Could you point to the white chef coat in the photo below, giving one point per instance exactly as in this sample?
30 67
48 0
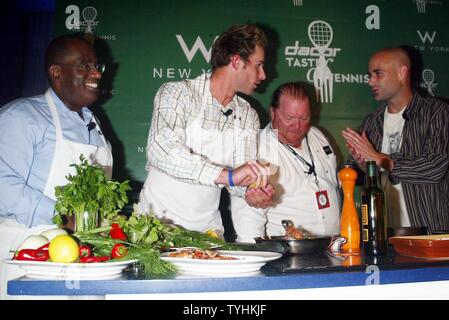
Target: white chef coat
295 191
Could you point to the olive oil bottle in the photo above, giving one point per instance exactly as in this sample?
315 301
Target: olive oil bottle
374 219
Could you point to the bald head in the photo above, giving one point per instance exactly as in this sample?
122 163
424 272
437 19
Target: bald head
72 71
59 48
397 57
390 76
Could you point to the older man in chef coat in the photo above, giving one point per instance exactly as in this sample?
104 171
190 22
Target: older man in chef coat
40 137
304 173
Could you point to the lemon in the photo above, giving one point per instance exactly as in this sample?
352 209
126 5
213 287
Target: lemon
212 233
63 248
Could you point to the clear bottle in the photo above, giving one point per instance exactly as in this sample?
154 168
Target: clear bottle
374 219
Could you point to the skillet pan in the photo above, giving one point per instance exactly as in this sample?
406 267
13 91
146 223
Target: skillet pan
303 246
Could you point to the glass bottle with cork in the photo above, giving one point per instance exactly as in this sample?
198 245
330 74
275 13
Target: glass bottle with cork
374 220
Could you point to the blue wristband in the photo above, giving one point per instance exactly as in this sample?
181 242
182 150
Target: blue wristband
231 182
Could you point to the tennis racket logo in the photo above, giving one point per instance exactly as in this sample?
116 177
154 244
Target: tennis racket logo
89 14
428 77
73 20
321 35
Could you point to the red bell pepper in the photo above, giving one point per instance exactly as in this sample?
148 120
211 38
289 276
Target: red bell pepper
119 251
117 233
85 251
94 259
32 255
44 247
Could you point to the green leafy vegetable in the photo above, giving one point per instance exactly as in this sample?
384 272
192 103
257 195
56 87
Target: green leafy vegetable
89 194
149 257
149 230
179 238
150 262
146 237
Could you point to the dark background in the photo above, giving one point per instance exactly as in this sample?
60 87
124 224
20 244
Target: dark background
26 28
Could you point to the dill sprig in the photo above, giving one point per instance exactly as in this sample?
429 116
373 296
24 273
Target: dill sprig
150 262
179 238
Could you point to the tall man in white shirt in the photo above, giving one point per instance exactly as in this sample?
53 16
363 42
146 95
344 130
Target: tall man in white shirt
304 173
203 137
40 137
408 137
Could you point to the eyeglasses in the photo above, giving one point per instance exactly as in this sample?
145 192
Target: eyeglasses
86 67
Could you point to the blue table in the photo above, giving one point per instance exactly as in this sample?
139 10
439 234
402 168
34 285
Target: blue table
293 273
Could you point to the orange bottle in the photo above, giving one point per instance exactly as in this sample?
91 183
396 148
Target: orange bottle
349 225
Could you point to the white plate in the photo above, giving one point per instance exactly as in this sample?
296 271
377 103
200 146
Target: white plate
248 262
71 270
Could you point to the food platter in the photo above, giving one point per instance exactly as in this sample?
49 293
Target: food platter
247 262
75 271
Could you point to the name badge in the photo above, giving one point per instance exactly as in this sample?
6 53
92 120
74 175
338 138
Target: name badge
322 199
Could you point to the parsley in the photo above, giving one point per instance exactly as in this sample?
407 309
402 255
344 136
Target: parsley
90 195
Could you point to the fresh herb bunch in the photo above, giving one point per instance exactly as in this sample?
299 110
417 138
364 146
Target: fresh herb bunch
149 262
147 236
90 190
178 237
142 228
149 230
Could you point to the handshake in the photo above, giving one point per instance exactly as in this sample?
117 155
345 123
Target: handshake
253 175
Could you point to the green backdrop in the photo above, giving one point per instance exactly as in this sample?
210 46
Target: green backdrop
146 43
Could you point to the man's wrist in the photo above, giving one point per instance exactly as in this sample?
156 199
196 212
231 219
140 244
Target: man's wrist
230 180
222 177
385 162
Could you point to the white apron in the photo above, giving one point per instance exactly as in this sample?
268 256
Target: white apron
192 206
67 152
301 193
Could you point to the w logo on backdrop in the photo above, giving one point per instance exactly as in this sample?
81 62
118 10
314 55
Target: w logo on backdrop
426 36
428 78
198 45
321 34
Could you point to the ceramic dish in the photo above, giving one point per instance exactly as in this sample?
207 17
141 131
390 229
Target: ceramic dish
247 262
71 270
427 247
